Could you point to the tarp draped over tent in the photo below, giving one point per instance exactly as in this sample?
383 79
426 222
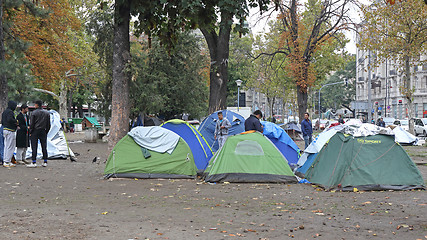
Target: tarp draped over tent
354 128
283 142
199 146
57 146
403 137
250 157
155 139
207 127
127 159
374 162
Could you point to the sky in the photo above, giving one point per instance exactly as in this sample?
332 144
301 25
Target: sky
260 26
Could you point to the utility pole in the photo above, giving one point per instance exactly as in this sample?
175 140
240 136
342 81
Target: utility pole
386 89
369 88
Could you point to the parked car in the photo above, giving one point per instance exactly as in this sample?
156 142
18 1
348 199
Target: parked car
404 123
420 127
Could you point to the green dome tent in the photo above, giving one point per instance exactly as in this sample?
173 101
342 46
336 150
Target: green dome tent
151 152
249 157
373 162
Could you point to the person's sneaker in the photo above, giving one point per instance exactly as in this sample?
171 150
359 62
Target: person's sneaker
6 165
32 165
12 165
44 164
26 161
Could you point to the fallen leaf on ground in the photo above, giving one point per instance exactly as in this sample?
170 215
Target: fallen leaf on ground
368 202
104 213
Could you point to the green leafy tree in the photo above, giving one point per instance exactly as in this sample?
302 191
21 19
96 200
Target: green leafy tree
169 83
165 19
340 95
15 70
240 65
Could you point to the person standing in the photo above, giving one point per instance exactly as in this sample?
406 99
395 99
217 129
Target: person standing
307 130
39 127
253 123
22 135
221 130
340 120
9 133
381 122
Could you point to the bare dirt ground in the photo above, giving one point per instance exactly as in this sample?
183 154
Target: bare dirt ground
71 201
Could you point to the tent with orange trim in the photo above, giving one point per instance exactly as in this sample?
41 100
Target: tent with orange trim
249 157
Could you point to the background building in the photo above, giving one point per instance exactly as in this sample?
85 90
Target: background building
386 79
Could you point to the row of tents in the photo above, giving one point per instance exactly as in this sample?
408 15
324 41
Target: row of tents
342 157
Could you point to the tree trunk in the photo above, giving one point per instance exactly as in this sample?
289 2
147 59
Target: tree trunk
121 57
302 102
63 110
408 93
302 93
80 111
218 45
3 79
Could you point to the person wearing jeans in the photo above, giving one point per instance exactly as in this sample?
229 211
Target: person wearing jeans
221 130
9 124
39 127
307 130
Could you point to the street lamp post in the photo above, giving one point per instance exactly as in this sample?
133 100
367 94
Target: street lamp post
239 83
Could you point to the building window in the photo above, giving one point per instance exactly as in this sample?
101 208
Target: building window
394 109
416 110
400 111
424 110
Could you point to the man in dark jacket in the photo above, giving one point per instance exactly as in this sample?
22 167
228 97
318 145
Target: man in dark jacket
22 135
253 123
307 130
39 127
9 133
381 122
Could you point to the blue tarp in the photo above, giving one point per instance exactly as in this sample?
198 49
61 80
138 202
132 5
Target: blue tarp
308 162
310 153
198 145
207 127
283 142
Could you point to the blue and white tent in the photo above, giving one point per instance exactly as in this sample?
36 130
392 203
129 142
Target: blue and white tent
283 142
202 153
207 127
310 153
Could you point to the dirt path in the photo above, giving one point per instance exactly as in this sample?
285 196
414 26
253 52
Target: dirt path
71 201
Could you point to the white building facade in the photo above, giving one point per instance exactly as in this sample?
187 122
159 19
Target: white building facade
386 80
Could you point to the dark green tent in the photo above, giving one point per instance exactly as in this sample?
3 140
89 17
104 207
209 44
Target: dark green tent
249 157
127 160
367 163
